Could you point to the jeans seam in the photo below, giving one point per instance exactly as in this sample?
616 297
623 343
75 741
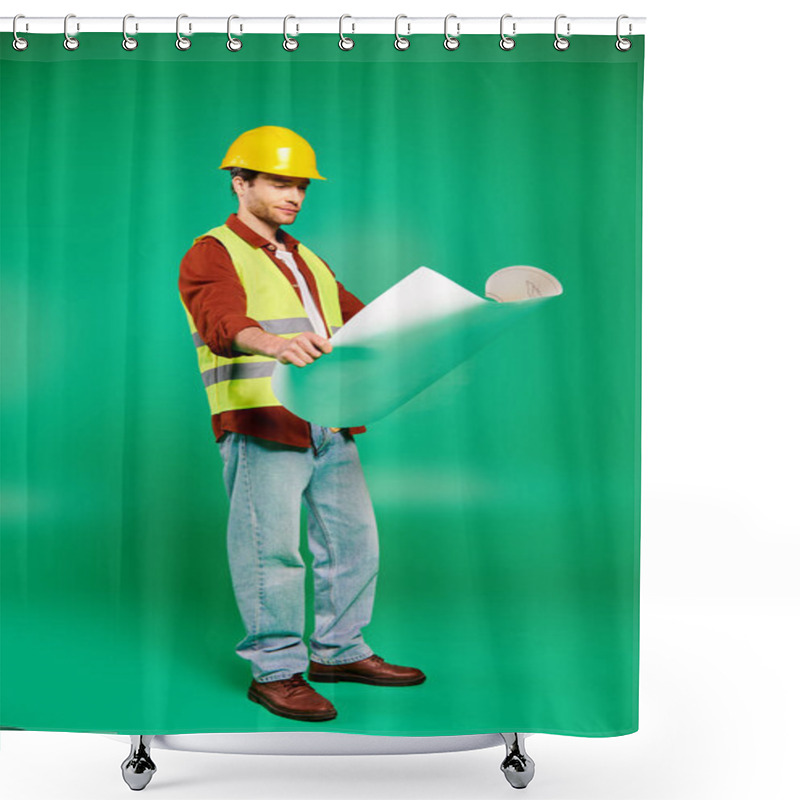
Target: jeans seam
312 506
254 531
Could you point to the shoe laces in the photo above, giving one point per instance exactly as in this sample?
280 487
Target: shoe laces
297 683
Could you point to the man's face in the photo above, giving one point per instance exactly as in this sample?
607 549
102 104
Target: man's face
275 199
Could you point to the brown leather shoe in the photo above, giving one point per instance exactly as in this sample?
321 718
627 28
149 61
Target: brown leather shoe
292 698
373 670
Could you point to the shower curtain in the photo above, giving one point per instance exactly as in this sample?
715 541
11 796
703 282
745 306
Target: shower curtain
506 492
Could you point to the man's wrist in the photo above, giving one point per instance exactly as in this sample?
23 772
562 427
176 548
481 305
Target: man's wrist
255 341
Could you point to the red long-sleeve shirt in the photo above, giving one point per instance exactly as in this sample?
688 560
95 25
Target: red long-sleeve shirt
214 296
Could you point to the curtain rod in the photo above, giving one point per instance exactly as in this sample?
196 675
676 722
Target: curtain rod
512 26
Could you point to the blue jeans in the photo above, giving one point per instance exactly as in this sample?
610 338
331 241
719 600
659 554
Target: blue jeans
266 483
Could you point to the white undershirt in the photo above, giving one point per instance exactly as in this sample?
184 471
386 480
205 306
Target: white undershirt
308 301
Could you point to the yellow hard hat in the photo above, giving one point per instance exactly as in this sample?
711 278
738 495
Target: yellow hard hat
275 150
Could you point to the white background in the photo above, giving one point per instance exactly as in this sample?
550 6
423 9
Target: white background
719 696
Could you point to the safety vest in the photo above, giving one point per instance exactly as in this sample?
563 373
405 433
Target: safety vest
246 381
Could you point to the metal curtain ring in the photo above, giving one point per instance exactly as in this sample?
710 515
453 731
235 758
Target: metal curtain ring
560 42
451 42
182 43
623 44
18 43
288 42
233 44
128 43
400 42
506 42
346 43
70 43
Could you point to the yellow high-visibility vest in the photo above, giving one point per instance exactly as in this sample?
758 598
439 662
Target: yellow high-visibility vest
246 381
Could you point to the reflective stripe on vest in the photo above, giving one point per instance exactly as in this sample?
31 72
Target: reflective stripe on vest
246 381
277 326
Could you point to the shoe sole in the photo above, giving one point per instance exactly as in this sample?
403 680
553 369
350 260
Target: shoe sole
359 679
320 716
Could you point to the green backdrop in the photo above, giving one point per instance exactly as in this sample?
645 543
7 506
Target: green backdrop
507 494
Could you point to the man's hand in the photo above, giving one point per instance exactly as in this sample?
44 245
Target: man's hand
301 349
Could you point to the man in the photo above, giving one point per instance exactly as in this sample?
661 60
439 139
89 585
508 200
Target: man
255 296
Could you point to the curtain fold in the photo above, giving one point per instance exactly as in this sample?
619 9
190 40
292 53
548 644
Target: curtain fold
506 494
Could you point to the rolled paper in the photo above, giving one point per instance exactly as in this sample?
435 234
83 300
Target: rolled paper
405 340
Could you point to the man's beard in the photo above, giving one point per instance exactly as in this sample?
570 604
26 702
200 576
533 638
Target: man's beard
264 215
